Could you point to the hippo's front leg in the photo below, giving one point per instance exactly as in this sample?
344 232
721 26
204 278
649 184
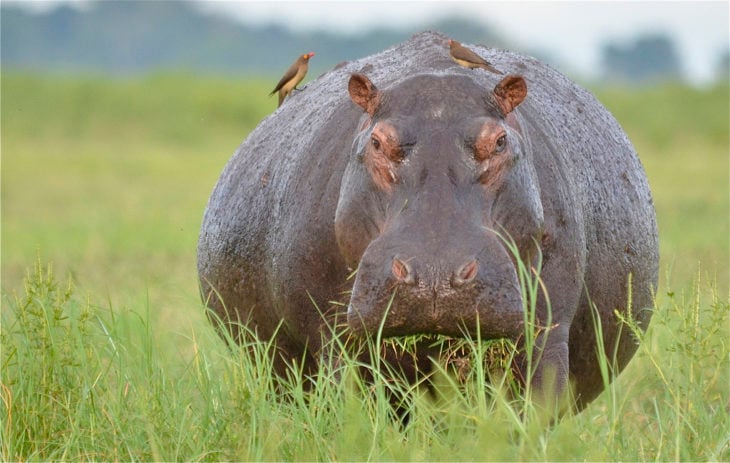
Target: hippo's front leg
550 378
554 315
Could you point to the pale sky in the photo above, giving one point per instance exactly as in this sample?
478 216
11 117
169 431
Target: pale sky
571 31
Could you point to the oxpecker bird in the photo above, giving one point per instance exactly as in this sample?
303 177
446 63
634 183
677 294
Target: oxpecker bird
292 77
467 58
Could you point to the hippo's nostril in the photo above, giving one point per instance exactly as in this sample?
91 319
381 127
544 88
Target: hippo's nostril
466 273
402 271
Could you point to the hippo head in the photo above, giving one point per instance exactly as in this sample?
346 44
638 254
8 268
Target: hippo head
439 179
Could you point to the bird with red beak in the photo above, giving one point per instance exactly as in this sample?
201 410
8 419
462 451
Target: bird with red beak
292 77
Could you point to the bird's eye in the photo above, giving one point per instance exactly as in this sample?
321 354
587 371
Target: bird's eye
501 143
375 142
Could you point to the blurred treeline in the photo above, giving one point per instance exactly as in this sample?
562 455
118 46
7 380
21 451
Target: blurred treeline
131 37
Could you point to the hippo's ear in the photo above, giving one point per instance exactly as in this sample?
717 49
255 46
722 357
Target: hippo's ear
510 92
364 93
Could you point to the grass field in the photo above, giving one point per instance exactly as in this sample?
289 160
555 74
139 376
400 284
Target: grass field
107 181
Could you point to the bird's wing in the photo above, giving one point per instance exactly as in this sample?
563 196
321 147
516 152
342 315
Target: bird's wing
290 73
466 54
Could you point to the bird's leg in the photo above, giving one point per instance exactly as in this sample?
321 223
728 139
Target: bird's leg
295 89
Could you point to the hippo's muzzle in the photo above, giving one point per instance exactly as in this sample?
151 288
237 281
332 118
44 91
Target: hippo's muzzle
449 292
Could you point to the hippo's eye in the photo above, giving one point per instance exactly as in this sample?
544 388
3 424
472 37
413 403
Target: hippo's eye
501 144
375 142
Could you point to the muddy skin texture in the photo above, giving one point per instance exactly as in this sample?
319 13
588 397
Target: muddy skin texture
405 167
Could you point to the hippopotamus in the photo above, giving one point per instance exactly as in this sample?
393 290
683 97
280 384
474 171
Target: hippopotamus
397 194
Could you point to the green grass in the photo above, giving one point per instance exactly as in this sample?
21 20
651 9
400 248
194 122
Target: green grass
85 382
110 357
109 179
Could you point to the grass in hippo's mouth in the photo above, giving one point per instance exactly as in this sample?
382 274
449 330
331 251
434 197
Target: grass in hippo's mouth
458 357
458 362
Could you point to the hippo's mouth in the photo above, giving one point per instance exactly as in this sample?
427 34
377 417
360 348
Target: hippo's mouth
398 315
421 356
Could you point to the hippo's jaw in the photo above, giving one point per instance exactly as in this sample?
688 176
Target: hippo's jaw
397 297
